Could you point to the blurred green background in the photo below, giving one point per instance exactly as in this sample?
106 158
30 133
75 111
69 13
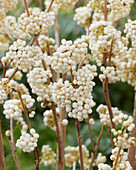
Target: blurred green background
121 95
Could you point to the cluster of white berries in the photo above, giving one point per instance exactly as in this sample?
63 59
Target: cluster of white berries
122 161
82 99
28 100
62 93
101 35
118 9
79 49
44 41
125 120
48 157
23 57
130 30
27 142
128 65
100 159
8 5
91 121
68 54
12 28
82 16
37 22
37 79
12 110
104 114
123 139
61 61
111 73
5 89
49 118
23 89
103 166
13 107
73 155
66 3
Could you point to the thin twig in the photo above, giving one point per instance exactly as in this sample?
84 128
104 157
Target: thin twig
72 77
33 40
96 148
110 54
105 82
105 11
90 133
116 160
42 5
107 98
12 145
79 144
53 74
24 108
110 134
14 72
59 156
26 6
2 157
50 5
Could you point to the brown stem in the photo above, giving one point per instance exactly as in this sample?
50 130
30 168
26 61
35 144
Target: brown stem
110 134
105 11
53 74
9 38
81 64
50 5
12 75
79 143
29 124
4 70
116 161
90 133
33 40
105 82
62 129
12 145
96 148
24 108
72 77
132 149
2 157
107 98
110 54
26 6
64 77
59 156
42 5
